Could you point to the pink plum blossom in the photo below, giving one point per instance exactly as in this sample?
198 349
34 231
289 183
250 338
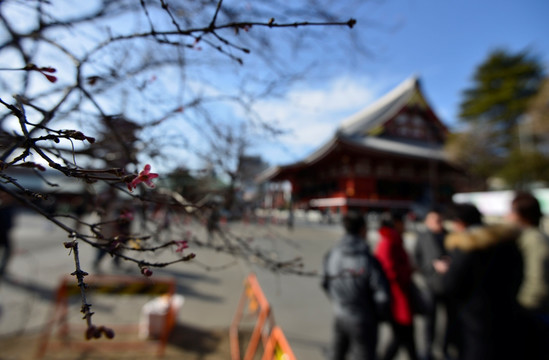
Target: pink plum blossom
181 245
145 176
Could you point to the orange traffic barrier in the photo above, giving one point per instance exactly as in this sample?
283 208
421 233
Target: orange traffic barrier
257 306
277 347
107 285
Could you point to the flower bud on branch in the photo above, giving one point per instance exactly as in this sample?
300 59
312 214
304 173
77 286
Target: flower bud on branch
146 271
78 135
46 70
32 165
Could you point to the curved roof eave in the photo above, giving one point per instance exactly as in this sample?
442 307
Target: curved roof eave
317 155
399 148
381 110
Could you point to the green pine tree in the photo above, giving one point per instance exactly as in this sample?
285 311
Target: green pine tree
502 89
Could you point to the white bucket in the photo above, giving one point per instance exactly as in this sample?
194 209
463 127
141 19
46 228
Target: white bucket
154 315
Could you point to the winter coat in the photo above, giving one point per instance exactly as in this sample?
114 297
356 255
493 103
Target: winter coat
430 246
534 291
395 262
483 278
355 282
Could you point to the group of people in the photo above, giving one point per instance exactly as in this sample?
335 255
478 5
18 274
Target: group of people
491 280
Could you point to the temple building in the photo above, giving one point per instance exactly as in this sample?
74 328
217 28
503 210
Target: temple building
388 155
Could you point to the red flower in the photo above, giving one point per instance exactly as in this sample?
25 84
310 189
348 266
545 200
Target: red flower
145 176
181 245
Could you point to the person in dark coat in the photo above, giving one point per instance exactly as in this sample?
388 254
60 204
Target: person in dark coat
533 294
358 290
6 224
430 247
397 267
483 276
212 223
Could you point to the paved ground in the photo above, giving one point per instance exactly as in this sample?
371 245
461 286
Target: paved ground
210 297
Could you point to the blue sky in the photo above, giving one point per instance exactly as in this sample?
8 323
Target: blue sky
442 41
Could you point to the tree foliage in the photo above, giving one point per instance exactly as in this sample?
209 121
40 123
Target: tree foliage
503 86
538 113
493 110
468 148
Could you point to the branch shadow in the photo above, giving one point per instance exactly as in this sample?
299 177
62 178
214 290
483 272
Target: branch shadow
199 341
184 284
34 288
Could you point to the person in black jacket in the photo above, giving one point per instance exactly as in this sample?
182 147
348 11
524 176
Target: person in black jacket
430 247
359 291
483 276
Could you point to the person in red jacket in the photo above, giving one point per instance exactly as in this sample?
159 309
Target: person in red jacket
395 262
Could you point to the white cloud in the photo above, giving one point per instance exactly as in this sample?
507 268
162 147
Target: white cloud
341 95
312 115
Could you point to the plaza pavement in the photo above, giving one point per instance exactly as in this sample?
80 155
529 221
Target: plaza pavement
210 296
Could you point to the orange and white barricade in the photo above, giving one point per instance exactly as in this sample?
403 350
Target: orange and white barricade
254 304
277 347
265 336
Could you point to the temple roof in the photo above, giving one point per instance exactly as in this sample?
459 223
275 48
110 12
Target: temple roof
361 130
382 110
